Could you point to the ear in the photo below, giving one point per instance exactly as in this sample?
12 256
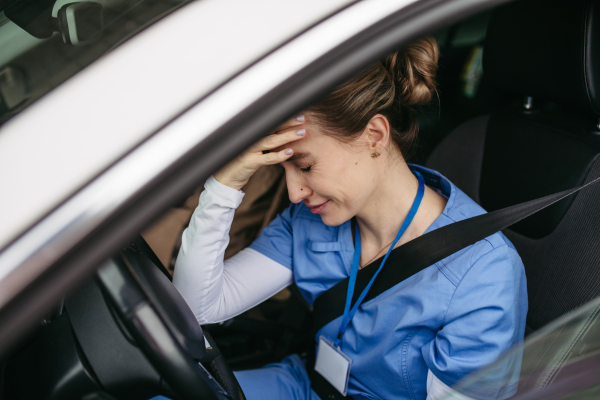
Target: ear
378 133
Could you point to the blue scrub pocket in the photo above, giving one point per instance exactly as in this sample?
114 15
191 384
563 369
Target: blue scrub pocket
321 247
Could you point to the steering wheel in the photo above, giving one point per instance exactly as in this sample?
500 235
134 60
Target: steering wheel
164 327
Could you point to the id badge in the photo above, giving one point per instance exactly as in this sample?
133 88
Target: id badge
333 365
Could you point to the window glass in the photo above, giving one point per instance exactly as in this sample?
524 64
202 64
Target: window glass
561 361
459 77
44 42
472 31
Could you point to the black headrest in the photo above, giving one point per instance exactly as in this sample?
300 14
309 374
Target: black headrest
547 49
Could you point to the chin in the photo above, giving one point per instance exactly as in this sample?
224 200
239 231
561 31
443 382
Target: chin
334 219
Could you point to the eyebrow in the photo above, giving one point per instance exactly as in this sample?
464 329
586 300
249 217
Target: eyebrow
297 156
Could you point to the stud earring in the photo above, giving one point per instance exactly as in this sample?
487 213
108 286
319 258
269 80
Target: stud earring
375 155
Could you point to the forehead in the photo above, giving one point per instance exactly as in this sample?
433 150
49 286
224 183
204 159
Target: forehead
313 144
298 156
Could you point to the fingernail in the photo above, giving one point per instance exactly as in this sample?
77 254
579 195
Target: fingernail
300 118
289 152
301 132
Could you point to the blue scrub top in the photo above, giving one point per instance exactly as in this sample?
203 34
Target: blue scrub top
453 318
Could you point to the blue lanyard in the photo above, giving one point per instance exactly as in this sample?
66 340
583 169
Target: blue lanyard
349 313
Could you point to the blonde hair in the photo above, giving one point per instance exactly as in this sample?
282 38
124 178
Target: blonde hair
390 87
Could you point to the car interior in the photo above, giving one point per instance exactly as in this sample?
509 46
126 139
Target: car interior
516 119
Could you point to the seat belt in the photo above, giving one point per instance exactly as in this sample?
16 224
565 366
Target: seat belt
413 257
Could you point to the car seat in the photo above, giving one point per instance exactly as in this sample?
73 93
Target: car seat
548 51
545 50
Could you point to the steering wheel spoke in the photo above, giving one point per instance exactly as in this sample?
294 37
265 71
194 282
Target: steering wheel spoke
186 377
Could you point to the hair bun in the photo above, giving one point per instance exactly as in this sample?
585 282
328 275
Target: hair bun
388 87
413 70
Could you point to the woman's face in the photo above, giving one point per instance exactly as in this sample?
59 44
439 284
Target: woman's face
334 179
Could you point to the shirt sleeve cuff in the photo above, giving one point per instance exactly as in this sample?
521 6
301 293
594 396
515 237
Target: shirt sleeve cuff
270 252
231 197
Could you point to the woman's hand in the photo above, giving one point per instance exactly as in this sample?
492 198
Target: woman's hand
237 172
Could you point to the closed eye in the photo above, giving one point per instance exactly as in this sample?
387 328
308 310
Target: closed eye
306 169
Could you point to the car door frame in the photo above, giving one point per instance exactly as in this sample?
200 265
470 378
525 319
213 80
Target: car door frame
66 246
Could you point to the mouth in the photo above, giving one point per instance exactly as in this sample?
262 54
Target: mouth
317 209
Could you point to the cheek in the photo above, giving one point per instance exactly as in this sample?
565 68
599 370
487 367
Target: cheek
346 181
354 174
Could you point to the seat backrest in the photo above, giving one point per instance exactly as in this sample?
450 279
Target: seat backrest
545 50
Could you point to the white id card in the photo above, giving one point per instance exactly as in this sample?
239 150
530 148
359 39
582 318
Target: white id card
333 365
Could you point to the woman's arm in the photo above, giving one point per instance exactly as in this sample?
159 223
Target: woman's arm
214 289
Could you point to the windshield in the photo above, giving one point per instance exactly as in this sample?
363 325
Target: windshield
561 361
45 42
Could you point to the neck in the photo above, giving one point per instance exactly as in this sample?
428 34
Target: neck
387 207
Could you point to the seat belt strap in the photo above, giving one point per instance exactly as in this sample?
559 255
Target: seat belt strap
426 250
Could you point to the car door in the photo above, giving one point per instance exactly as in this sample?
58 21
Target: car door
148 125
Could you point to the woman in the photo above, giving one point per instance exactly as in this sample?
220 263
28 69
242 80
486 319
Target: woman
344 160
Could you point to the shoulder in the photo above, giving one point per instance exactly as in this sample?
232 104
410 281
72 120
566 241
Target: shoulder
495 251
492 256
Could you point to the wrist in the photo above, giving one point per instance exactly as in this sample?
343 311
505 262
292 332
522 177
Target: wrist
228 196
223 180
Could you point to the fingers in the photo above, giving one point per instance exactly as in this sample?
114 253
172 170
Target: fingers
290 123
237 173
279 139
283 137
274 157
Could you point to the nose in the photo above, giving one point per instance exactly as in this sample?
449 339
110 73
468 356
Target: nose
298 190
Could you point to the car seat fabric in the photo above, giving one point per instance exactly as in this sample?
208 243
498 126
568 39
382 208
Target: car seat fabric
528 156
266 196
563 269
519 154
467 140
